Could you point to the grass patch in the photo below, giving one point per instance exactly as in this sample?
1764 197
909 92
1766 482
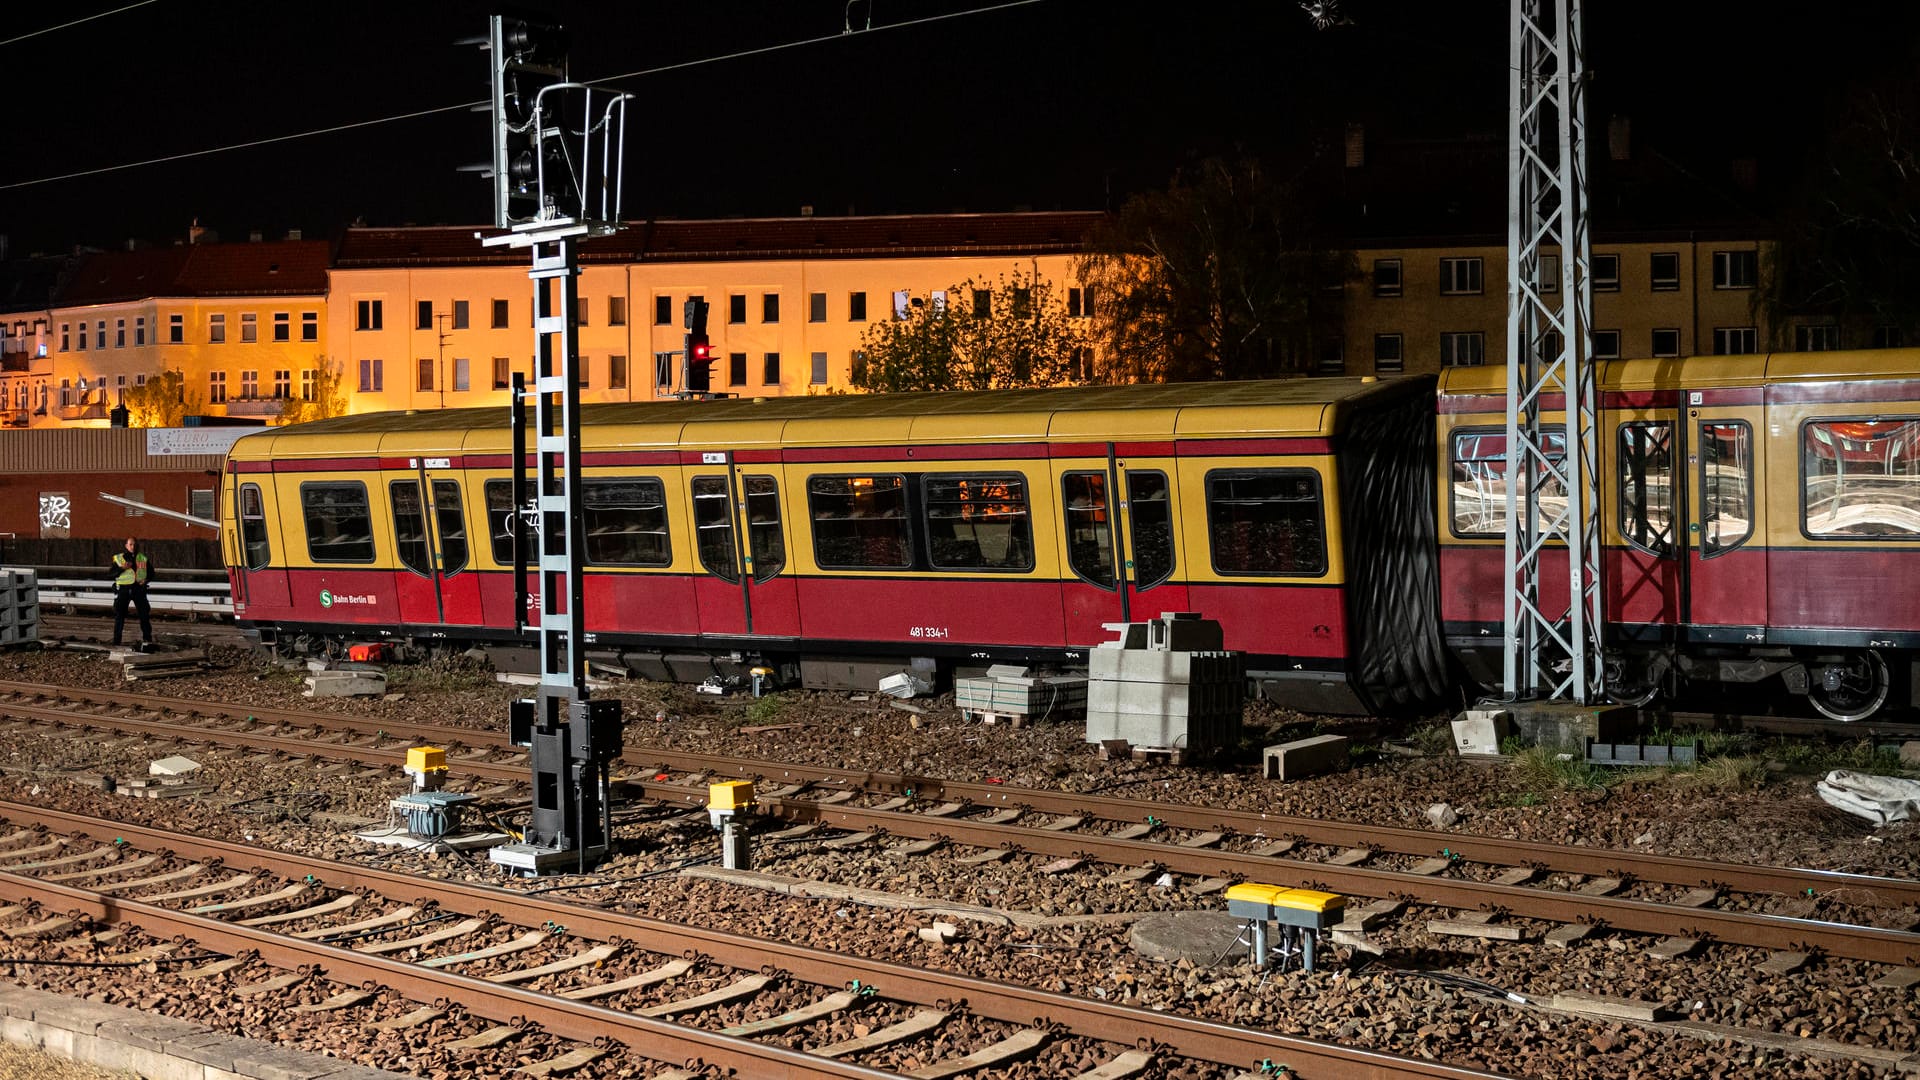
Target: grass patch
1540 769
1813 756
443 672
764 710
1432 740
1727 774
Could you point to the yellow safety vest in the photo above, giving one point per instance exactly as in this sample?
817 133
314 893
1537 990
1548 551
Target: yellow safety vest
131 573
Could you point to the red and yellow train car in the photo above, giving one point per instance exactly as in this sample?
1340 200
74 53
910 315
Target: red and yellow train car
1761 520
965 527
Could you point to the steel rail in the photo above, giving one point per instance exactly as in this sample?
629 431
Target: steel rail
658 1040
1221 1044
1609 862
1711 924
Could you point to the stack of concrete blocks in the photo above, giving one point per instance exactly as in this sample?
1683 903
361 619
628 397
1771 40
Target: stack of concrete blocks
348 679
1166 685
20 607
1008 691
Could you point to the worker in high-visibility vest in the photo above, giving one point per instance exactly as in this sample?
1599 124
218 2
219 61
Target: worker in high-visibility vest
130 587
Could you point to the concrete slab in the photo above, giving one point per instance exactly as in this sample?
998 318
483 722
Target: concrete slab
1203 938
1568 725
1305 757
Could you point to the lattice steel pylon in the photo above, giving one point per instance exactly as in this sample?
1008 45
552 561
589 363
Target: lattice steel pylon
1551 646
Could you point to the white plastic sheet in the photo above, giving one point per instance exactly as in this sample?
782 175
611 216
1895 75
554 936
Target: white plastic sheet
1879 799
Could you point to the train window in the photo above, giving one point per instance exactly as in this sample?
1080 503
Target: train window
1150 512
253 528
1646 486
713 527
765 538
1479 480
1266 521
626 521
1726 486
450 523
859 522
978 522
339 522
1083 498
410 527
500 519
1861 478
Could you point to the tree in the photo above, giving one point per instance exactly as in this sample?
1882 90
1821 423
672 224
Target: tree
329 396
1849 244
161 401
1221 276
976 336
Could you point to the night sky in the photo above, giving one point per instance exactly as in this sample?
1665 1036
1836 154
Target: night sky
1067 104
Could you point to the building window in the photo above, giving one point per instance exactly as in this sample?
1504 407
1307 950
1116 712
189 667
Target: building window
176 331
1824 338
1606 344
1266 522
140 331
1333 358
819 369
1463 349
857 307
424 378
459 314
1734 340
1389 355
817 307
100 332
580 306
1460 277
282 326
372 379
217 329
1606 273
859 522
584 373
770 370
737 369
283 383
1664 271
502 373
120 333
367 314
423 315
1887 337
460 367
309 380
216 387
769 307
902 302
309 326
737 308
500 314
1666 342
977 522
249 327
66 336
616 311
983 303
616 372
1386 277
663 311
1735 269
339 525
1549 274
1860 476
249 385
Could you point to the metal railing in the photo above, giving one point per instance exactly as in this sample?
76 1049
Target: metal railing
194 599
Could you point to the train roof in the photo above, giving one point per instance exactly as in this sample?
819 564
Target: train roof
1710 372
1274 407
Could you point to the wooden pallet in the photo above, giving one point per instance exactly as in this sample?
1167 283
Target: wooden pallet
1111 749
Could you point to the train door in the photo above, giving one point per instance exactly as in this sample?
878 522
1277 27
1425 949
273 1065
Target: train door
741 539
1727 558
258 584
1150 554
1645 557
1092 593
430 538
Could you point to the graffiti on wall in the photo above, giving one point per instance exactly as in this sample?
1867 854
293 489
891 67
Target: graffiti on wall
56 514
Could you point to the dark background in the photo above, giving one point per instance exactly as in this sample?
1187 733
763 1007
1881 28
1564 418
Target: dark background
1067 104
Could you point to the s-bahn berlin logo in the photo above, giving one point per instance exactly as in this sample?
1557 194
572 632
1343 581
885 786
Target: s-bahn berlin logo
328 598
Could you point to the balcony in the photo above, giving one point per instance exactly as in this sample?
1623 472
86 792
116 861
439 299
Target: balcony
25 363
14 418
95 410
255 406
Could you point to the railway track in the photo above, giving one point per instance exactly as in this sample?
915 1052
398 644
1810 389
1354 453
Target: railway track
1580 890
606 977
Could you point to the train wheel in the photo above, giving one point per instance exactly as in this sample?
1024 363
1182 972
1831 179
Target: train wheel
1860 687
1633 680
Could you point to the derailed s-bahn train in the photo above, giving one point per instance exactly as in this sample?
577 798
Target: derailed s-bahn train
1760 521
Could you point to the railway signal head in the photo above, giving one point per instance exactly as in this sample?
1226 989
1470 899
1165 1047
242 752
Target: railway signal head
700 357
527 56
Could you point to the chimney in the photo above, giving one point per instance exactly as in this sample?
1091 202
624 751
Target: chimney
254 236
195 232
1356 145
293 234
1746 172
1620 138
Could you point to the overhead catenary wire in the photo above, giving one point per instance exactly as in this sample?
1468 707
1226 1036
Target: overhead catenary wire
466 106
76 22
